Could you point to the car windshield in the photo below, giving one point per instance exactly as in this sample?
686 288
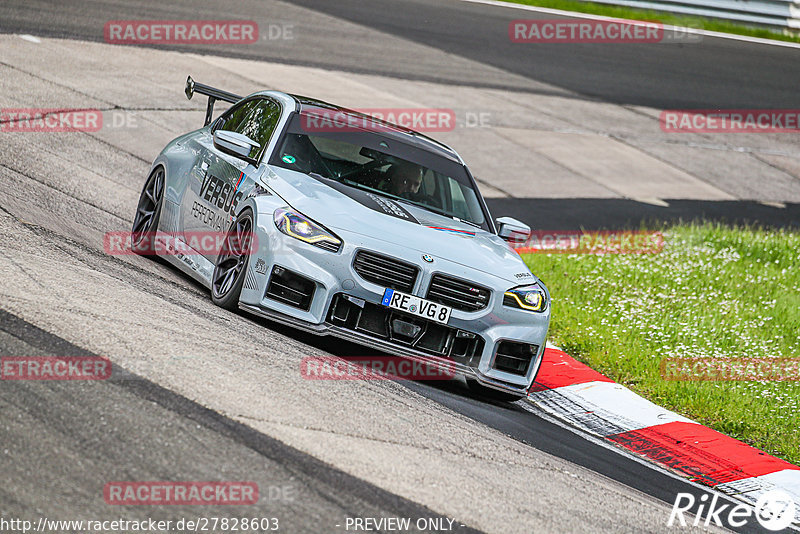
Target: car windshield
368 160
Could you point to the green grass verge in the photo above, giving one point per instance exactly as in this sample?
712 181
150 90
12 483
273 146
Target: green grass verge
714 291
620 12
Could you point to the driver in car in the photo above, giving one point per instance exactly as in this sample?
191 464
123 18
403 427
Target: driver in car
404 180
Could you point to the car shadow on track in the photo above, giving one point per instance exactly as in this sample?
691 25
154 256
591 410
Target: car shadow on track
455 387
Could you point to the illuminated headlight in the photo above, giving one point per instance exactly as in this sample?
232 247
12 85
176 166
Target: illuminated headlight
531 298
298 226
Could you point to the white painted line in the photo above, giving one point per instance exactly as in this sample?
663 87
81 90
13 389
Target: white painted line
603 408
31 38
621 451
747 490
583 409
693 31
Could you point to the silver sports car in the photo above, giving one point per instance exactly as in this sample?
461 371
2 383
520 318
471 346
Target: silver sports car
360 229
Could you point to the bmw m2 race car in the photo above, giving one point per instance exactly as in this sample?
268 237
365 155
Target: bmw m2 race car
373 233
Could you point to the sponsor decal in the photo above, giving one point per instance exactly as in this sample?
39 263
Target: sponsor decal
258 191
389 206
208 216
180 32
370 200
220 194
374 368
180 493
54 368
261 266
730 121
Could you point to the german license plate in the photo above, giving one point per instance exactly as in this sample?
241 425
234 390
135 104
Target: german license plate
418 306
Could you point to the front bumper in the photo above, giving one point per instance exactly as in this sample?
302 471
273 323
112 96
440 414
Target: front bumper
333 276
406 352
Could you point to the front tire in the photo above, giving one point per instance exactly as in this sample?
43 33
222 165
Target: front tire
231 266
148 214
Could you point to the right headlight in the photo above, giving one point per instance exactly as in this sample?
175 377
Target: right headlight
301 227
530 298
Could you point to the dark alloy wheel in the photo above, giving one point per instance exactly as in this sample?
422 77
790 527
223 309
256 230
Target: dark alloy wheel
229 272
148 213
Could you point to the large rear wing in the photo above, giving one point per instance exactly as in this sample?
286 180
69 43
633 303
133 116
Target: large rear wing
212 93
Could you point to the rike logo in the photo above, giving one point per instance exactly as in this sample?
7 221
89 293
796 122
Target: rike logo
774 510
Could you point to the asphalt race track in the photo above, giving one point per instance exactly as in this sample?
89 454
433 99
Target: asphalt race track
458 43
713 73
199 393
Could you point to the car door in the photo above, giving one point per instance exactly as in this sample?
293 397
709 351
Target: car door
221 180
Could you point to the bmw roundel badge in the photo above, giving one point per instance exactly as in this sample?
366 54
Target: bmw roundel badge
428 258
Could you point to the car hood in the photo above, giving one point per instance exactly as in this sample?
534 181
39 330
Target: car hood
337 206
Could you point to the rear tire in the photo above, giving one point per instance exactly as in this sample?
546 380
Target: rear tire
148 214
232 263
491 393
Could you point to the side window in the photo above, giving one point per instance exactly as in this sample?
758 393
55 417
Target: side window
459 202
232 119
260 124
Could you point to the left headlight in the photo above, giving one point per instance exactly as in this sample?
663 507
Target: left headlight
530 298
301 227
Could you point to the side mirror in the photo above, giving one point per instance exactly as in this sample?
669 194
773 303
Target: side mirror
512 230
236 144
189 89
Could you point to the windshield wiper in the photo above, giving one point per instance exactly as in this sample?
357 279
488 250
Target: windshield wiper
476 225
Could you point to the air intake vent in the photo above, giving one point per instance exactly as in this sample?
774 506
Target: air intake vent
327 245
290 288
457 293
385 271
514 358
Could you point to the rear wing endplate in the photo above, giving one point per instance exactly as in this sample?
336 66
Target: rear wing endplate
212 93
